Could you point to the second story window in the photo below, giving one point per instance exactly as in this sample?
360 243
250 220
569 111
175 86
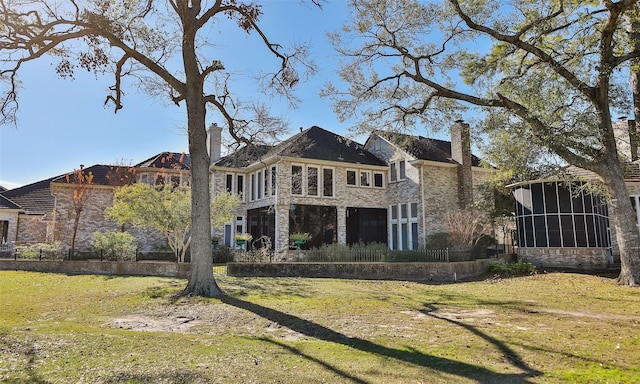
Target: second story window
240 185
296 180
229 182
393 172
378 180
365 178
327 182
312 181
397 170
351 177
274 176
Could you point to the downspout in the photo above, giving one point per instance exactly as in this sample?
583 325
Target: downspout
276 204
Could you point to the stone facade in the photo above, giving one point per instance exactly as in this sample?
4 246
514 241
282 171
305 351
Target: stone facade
344 196
34 229
92 219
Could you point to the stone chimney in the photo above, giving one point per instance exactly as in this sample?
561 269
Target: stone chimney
626 136
215 142
461 153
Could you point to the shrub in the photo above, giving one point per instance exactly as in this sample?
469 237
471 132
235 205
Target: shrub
116 245
439 240
519 268
33 251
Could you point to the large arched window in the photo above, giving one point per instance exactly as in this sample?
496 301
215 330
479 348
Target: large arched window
560 214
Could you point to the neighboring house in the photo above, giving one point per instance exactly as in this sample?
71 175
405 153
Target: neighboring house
45 211
26 213
395 189
562 223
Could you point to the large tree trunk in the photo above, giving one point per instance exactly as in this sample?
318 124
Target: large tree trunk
201 280
623 222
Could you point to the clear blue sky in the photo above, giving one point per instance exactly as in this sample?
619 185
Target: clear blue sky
63 123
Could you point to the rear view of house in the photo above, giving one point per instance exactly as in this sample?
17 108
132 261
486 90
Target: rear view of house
394 189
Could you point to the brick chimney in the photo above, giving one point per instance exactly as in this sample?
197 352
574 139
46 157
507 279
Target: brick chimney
461 153
626 135
215 142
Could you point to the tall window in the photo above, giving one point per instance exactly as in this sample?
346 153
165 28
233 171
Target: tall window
327 182
403 170
404 226
252 187
239 185
296 180
259 186
312 181
266 183
393 172
229 182
274 176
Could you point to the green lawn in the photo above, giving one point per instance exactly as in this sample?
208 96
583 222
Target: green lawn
547 328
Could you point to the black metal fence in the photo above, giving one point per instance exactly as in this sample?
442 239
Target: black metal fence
356 255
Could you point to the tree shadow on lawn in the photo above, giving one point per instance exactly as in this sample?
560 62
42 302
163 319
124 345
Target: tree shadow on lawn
411 355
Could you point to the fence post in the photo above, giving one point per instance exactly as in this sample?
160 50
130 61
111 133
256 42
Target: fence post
446 254
40 255
69 253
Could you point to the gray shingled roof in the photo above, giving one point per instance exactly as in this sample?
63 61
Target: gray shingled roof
314 143
424 148
34 198
8 204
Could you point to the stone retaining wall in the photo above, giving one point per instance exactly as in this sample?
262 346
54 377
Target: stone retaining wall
432 271
581 258
140 268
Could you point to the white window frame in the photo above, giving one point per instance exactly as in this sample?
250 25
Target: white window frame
302 179
333 182
318 180
367 175
408 220
355 177
381 179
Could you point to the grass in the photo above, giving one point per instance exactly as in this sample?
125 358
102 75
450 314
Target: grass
545 328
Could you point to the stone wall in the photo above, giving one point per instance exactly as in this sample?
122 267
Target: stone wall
92 219
34 229
580 258
94 267
380 271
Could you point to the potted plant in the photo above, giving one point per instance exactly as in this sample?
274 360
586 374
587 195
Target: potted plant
299 238
215 240
242 238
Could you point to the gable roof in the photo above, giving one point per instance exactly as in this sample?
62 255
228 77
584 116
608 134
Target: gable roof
34 198
424 148
314 143
8 204
167 160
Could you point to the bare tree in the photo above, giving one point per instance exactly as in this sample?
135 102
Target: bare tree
166 48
